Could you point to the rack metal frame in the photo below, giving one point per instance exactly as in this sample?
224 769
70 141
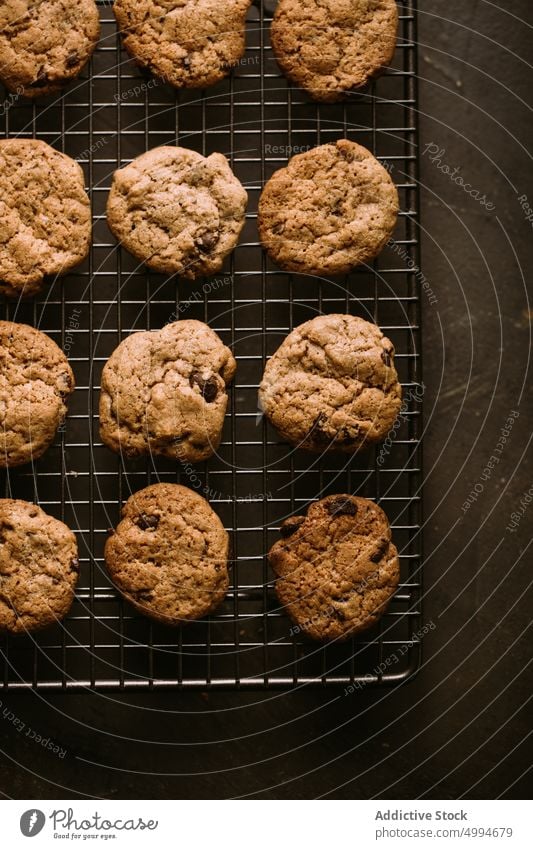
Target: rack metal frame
105 119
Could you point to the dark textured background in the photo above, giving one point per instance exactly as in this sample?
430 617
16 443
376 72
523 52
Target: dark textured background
461 727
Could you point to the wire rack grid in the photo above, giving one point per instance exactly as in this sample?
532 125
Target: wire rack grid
104 120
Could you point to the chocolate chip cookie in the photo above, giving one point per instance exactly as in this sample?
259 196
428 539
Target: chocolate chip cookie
332 385
336 568
35 382
38 567
190 44
333 47
331 209
45 215
177 211
169 554
45 43
164 392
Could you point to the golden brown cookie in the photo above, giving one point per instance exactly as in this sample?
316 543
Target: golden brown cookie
35 382
189 44
45 215
331 209
44 44
332 385
38 567
165 392
169 554
333 47
177 211
336 568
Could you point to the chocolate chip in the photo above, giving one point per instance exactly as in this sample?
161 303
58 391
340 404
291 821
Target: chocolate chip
342 507
207 242
317 432
348 436
73 59
380 551
290 526
208 386
146 522
40 81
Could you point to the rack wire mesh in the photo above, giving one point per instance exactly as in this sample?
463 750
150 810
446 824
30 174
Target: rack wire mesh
108 117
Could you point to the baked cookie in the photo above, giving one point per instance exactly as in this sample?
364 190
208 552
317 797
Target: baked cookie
177 211
164 392
45 44
331 209
331 48
169 554
35 382
38 567
45 215
190 44
332 385
336 568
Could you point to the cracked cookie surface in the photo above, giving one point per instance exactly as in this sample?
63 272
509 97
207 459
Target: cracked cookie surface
45 43
169 554
35 382
177 211
38 567
337 568
165 392
332 385
45 215
187 43
331 209
332 47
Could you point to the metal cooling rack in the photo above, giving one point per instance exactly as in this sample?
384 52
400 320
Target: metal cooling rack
111 115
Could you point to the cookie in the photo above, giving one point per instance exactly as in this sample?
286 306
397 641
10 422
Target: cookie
35 382
190 44
331 209
38 567
177 211
336 568
169 554
45 44
165 392
45 215
332 385
331 48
